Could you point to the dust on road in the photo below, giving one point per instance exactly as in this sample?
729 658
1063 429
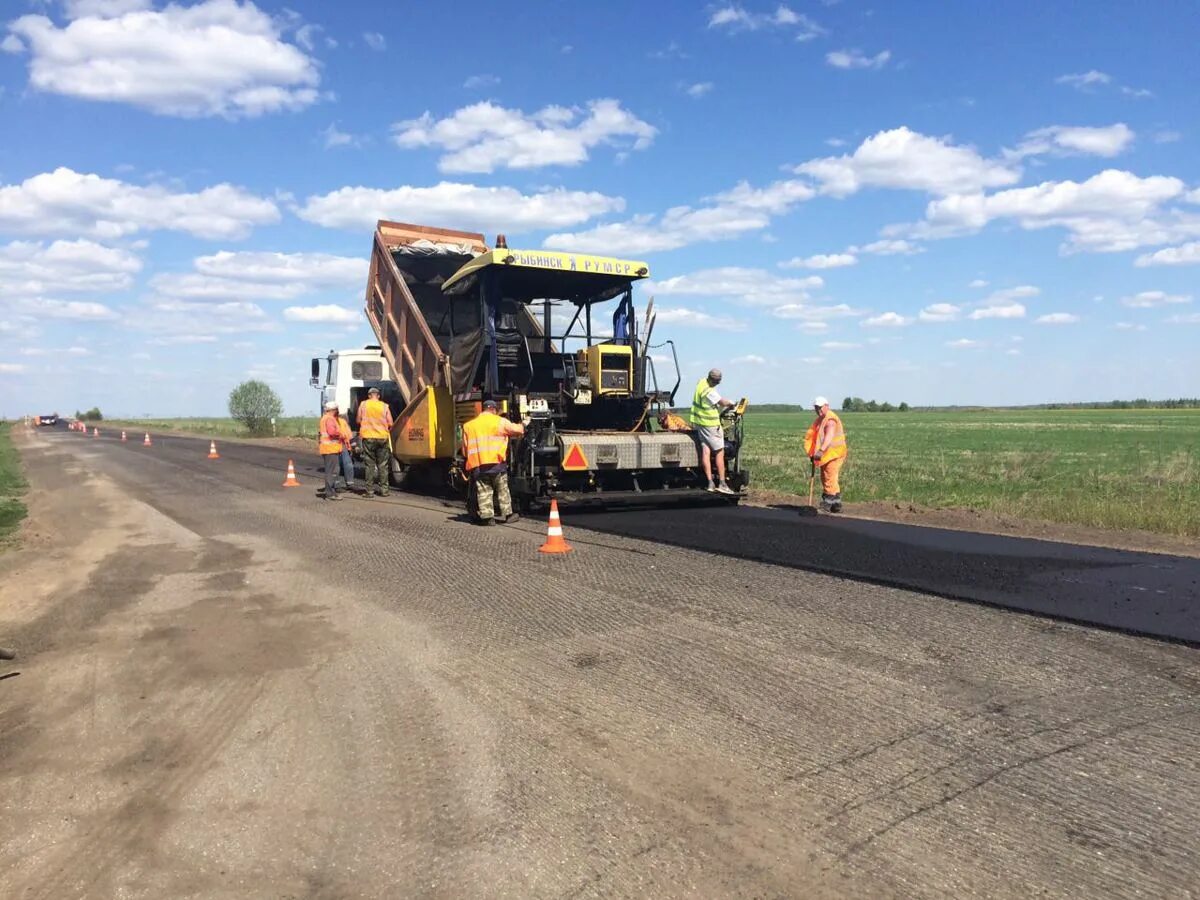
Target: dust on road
227 689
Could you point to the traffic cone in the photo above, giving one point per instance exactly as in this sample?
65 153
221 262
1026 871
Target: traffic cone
554 534
291 481
146 442
123 439
212 450
95 432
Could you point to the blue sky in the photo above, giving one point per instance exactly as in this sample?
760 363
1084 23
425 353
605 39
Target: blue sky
918 201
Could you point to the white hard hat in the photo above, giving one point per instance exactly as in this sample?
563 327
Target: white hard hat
332 404
820 401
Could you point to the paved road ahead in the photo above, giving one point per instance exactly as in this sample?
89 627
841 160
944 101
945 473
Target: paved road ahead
229 689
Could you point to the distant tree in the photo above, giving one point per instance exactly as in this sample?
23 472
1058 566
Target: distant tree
886 407
254 404
903 407
92 415
848 405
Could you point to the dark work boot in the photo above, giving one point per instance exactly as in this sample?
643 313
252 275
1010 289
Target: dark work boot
827 501
836 505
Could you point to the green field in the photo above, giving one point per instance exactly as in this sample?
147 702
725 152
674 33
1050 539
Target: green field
287 426
1118 469
12 485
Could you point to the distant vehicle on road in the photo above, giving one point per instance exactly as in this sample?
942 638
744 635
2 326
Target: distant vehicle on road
51 419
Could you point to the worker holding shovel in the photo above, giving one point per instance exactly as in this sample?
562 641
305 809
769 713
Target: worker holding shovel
825 444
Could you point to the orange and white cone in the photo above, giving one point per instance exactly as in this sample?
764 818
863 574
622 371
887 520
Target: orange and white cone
123 438
291 481
212 450
95 432
146 442
555 543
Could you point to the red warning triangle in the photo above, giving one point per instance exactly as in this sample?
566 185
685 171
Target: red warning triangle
575 461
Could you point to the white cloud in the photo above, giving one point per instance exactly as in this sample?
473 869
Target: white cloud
1129 326
375 40
905 159
11 368
698 90
197 287
12 44
215 58
1084 80
887 320
67 202
940 312
813 327
46 308
314 270
814 314
1166 137
1153 299
1110 212
735 18
964 344
1136 93
484 137
690 317
464 205
1058 318
856 59
840 345
753 287
749 359
1184 255
185 339
1188 319
820 261
727 215
1064 140
889 248
105 9
978 283
481 82
330 313
334 137
999 311
30 268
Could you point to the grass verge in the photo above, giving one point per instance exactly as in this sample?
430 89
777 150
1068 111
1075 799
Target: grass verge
12 486
287 426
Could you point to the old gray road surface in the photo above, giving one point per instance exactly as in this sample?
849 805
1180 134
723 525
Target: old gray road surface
230 689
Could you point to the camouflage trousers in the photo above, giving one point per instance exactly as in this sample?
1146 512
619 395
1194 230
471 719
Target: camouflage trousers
492 490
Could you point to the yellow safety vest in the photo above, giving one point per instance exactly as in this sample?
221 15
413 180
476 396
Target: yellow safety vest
329 435
837 447
374 420
704 414
484 441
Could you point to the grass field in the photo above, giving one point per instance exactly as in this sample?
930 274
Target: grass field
12 486
288 426
1117 469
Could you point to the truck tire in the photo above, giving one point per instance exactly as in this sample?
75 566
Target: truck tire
397 474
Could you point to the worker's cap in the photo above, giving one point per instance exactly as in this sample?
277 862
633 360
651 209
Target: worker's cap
714 375
819 402
374 391
490 404
330 405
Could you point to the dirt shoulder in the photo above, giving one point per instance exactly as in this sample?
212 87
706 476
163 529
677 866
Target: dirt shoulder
987 522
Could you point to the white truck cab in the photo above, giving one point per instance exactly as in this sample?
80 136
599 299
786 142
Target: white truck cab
347 375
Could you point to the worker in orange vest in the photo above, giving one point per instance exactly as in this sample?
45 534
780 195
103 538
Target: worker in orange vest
374 437
329 442
485 449
825 444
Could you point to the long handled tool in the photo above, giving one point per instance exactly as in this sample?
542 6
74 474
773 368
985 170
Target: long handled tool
810 510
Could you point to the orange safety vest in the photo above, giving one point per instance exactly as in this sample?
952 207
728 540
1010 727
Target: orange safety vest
485 442
374 420
837 447
329 434
344 428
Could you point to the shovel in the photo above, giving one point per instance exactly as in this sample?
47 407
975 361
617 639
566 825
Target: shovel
810 510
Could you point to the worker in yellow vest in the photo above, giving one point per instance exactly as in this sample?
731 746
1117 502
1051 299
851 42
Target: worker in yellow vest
485 449
707 404
825 444
329 444
375 439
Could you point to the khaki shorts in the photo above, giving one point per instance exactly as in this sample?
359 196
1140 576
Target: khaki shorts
711 436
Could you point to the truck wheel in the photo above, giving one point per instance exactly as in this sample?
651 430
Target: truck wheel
398 474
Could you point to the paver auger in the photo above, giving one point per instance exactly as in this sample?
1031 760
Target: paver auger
555 339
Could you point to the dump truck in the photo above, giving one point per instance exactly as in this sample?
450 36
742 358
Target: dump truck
555 339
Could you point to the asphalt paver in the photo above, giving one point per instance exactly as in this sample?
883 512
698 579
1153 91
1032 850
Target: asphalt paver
233 689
